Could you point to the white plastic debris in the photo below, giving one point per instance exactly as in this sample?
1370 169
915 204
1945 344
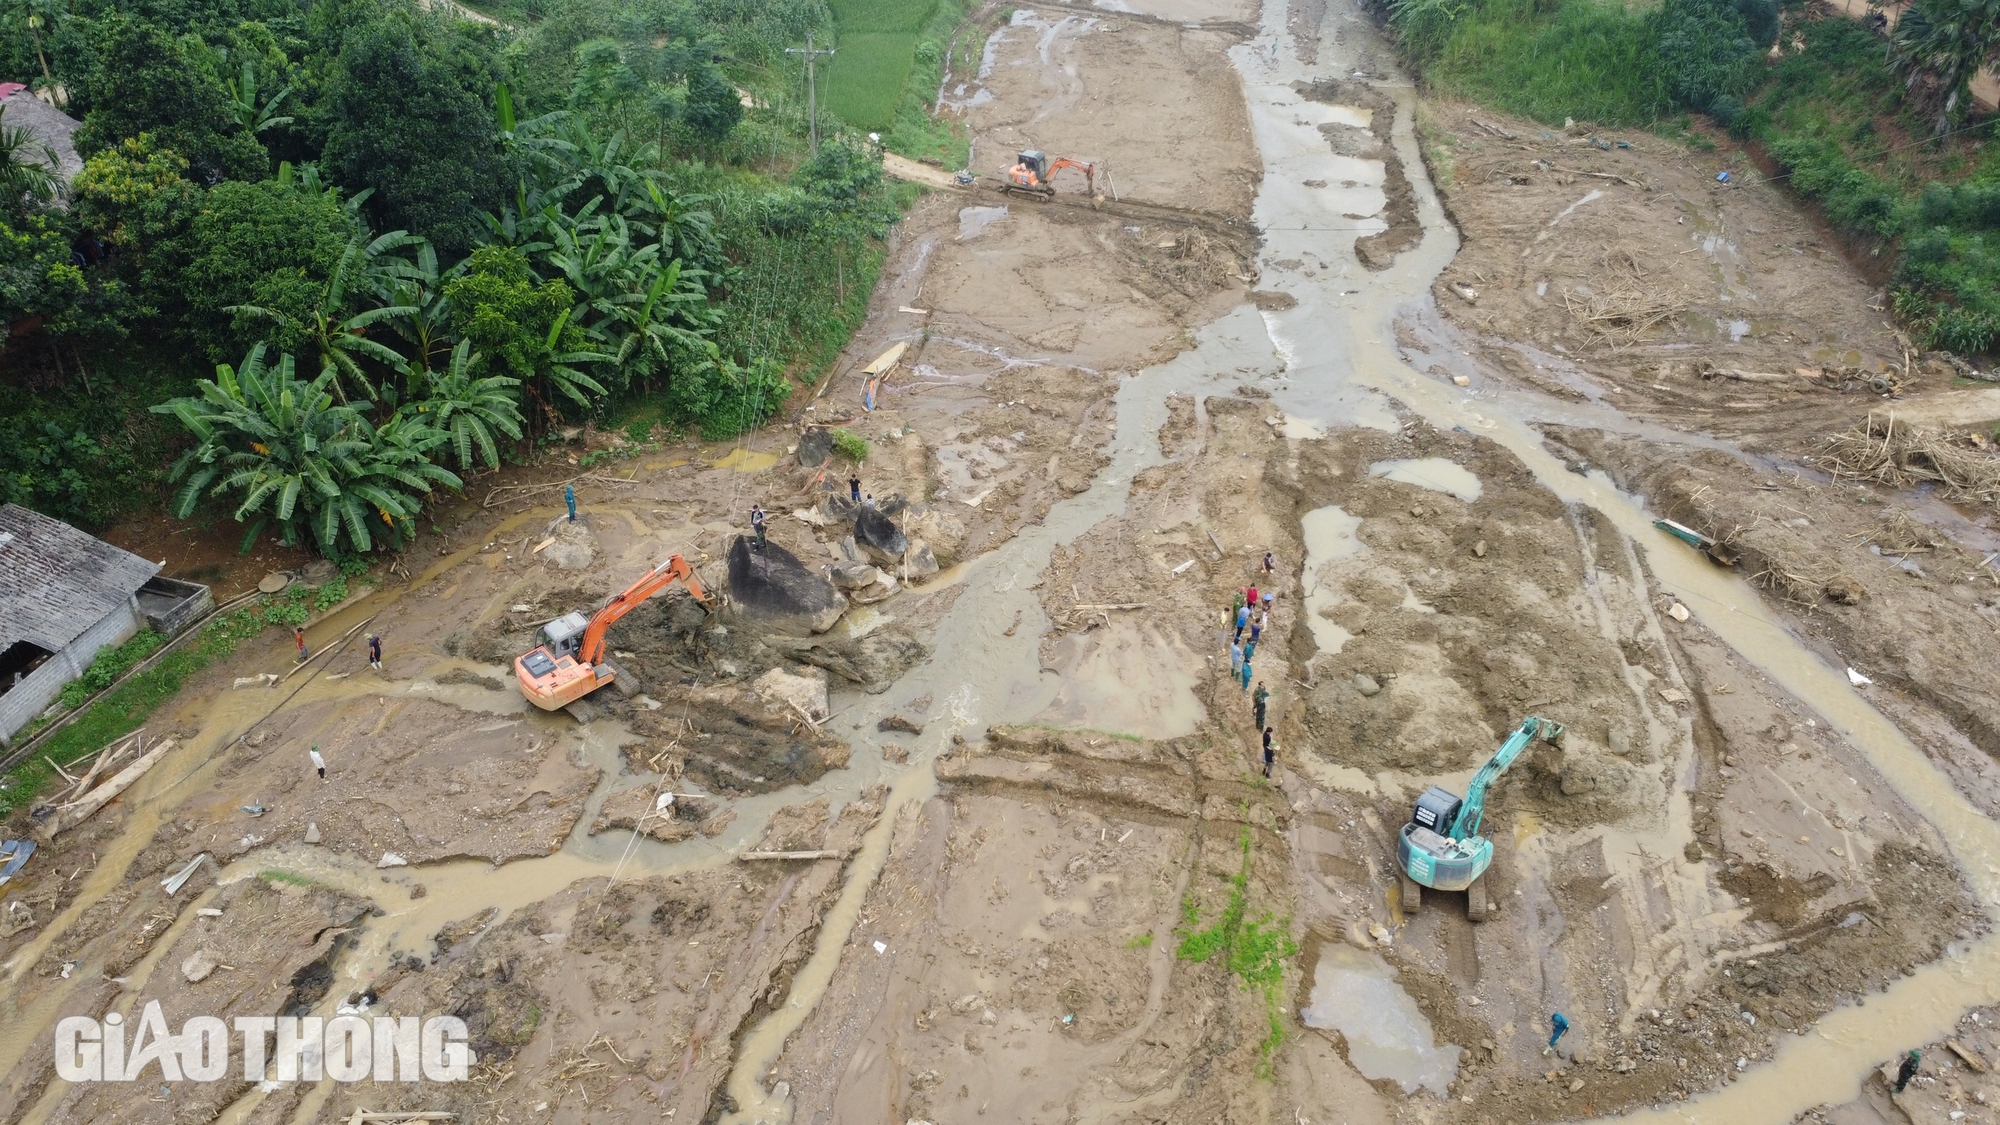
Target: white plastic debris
391 859
881 947
1857 679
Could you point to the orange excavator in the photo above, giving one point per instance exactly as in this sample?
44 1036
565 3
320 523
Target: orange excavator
569 664
1033 172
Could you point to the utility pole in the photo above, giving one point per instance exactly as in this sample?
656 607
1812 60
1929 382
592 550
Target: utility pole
812 85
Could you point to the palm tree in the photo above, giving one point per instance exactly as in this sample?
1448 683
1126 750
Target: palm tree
468 408
297 458
340 337
27 167
1940 46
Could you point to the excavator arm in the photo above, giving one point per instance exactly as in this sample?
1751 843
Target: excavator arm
1089 171
652 582
1474 809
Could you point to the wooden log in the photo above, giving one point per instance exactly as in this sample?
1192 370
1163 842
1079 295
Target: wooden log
111 753
887 359
791 855
97 798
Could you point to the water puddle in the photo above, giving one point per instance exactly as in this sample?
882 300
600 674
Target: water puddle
745 460
1329 535
974 220
1433 473
1356 994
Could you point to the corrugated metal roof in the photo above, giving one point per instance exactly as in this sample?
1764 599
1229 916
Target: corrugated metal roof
56 581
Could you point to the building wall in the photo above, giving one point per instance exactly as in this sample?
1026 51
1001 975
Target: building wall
40 688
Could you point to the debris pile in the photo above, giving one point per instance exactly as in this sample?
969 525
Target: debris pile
1891 452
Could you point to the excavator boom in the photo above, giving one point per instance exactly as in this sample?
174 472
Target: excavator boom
571 665
1441 847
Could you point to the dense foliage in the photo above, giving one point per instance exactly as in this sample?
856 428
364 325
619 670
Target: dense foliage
1879 134
430 239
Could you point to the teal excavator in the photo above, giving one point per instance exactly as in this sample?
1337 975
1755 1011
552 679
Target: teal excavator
1441 847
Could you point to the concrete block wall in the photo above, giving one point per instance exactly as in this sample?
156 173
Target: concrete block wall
40 688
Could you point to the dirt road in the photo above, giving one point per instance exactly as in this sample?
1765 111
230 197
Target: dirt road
1043 874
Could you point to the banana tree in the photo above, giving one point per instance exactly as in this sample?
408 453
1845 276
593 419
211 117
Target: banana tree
341 336
243 103
468 408
1940 47
292 456
418 285
556 360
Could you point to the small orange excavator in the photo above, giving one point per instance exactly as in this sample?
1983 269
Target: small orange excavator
1033 172
570 664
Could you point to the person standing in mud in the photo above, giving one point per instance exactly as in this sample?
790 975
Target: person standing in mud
569 498
1270 563
757 523
1246 672
319 763
1261 700
1235 659
1560 1024
1908 1070
1256 633
299 638
854 488
375 652
1242 621
1270 753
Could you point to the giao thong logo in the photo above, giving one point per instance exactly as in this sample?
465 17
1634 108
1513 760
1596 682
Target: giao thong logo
272 1048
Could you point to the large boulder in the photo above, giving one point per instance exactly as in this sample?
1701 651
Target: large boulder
878 536
815 446
923 561
853 575
770 585
572 544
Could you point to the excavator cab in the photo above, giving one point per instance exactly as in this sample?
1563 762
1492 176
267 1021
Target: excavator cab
1036 162
564 635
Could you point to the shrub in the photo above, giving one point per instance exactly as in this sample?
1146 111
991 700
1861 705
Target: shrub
848 444
110 663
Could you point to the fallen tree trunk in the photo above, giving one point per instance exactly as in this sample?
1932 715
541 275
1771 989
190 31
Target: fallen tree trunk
75 814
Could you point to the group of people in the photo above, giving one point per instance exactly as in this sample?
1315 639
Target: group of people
1252 613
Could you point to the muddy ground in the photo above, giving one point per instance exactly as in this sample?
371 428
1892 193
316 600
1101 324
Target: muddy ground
1065 890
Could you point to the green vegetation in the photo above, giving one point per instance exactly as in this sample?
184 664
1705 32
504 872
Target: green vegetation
110 663
1877 135
1256 951
1142 941
425 242
274 875
848 444
885 75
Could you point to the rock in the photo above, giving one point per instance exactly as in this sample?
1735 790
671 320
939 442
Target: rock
391 859
815 446
878 536
965 1005
312 833
1365 684
804 692
939 530
638 808
574 546
883 588
198 966
895 753
874 661
273 583
773 586
1479 549
837 507
1845 589
853 576
922 560
894 504
319 572
418 890
899 723
1379 932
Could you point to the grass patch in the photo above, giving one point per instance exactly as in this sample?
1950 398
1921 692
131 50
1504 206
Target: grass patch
1143 941
1579 59
125 709
110 663
273 875
864 83
1256 951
